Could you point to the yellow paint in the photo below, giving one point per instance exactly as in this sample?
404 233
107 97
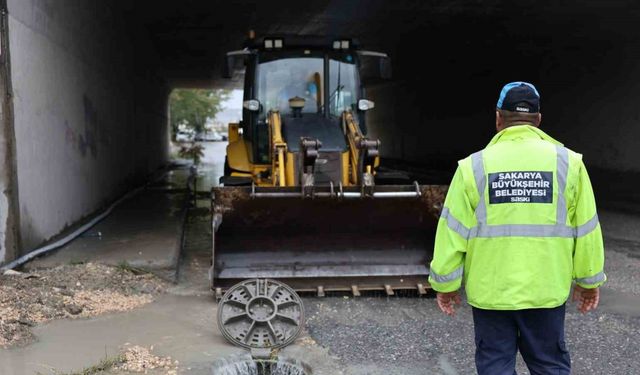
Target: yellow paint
275 123
241 174
354 135
238 157
290 169
283 163
281 167
278 149
234 132
345 168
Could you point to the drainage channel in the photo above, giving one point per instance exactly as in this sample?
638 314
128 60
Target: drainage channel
262 316
247 365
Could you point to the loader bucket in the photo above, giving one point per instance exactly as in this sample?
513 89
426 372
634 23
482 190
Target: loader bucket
334 241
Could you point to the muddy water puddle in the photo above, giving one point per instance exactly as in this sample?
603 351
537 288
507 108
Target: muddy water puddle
182 327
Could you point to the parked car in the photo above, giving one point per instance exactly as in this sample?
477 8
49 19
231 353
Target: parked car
212 136
215 136
184 137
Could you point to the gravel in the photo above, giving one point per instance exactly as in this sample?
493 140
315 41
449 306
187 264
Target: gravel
70 291
409 336
138 359
393 335
400 335
622 263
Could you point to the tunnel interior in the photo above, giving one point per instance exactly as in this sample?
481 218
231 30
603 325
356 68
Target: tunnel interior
89 82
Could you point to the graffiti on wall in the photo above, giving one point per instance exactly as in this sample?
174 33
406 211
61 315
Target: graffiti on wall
85 140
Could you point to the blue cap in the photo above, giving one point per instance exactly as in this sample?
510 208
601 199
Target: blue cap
519 97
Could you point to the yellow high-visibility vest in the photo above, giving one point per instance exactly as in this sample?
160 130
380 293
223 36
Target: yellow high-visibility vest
519 224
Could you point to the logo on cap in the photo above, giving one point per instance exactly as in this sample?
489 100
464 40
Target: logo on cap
519 97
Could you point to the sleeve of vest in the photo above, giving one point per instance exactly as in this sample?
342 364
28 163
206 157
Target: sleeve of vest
445 274
588 256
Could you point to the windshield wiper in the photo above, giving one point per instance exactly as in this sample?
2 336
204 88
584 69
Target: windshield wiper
336 92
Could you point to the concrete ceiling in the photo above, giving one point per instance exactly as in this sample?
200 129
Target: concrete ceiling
189 37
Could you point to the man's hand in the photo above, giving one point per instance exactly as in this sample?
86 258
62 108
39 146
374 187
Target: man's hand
447 301
587 298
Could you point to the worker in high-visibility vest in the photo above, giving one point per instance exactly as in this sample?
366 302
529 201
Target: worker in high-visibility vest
518 226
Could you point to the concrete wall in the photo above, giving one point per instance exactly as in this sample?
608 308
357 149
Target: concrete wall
7 176
9 217
441 107
87 126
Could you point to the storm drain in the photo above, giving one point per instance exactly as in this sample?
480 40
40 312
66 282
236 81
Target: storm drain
247 365
261 315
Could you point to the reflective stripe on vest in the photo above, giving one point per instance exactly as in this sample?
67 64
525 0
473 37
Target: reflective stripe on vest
598 277
520 230
477 164
456 274
482 229
562 170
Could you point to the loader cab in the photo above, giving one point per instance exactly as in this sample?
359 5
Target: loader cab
310 81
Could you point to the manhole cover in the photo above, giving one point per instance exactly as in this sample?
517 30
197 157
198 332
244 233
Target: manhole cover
260 313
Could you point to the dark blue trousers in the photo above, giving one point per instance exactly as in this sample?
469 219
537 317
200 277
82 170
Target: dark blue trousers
537 333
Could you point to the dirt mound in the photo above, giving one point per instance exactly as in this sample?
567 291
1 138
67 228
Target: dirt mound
69 291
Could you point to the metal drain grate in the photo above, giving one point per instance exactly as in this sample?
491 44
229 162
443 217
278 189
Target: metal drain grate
260 314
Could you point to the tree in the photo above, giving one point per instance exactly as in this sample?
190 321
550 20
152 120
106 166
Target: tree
195 152
192 107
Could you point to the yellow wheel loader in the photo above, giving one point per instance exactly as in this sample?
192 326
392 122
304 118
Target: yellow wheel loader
302 200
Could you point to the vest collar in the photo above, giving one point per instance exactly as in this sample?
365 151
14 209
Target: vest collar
518 132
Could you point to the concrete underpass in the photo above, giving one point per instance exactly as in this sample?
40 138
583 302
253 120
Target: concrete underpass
86 85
